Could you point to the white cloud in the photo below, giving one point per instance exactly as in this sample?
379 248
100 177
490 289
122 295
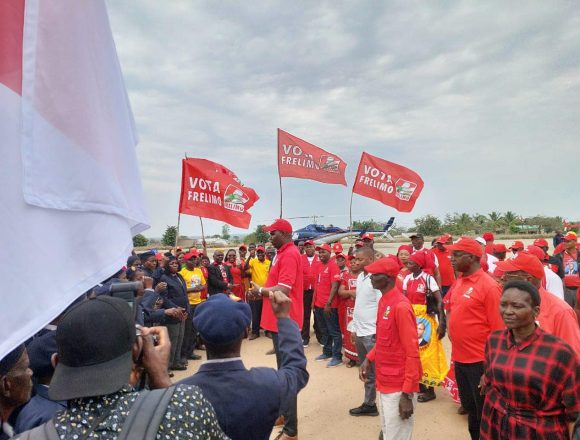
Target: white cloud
480 98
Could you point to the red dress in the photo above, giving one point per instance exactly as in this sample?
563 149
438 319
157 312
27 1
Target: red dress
345 313
238 289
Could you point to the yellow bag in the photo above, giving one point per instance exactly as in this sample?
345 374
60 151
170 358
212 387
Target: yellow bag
431 349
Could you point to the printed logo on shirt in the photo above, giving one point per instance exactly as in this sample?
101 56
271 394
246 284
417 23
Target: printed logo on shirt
421 288
352 283
467 294
387 312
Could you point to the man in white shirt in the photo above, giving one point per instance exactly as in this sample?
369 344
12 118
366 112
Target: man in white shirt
364 323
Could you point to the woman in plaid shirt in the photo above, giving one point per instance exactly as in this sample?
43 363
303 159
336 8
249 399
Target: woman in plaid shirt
530 385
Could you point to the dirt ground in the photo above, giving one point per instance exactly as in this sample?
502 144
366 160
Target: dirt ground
323 405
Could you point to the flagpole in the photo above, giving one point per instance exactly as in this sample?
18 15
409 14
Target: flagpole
203 237
350 209
177 233
279 176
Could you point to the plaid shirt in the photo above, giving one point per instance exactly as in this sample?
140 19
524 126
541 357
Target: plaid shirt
532 391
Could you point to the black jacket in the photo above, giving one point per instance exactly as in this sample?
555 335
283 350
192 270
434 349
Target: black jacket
215 280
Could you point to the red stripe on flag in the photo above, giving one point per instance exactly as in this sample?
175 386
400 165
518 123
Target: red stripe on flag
11 29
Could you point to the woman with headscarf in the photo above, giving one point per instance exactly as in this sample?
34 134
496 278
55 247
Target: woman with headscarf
237 271
422 289
403 254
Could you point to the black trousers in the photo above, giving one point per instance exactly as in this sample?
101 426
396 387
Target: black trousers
256 307
468 377
307 301
291 415
189 336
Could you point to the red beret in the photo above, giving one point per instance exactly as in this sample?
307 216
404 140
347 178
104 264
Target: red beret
386 265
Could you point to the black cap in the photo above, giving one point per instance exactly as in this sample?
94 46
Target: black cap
416 234
234 318
40 351
94 340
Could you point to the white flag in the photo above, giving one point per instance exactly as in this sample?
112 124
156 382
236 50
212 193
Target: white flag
71 194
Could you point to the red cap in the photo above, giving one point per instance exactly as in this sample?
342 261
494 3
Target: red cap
387 265
279 225
307 242
341 255
524 261
469 245
260 248
517 245
443 238
323 247
192 253
367 235
537 251
541 242
243 246
178 248
351 257
358 243
571 236
499 248
159 256
337 247
488 236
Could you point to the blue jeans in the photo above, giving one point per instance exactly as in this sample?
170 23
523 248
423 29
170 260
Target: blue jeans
331 336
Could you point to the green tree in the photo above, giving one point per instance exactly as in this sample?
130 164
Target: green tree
495 221
140 240
428 225
367 225
258 236
511 221
169 236
226 231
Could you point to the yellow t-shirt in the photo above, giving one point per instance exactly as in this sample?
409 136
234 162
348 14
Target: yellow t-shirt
193 278
259 271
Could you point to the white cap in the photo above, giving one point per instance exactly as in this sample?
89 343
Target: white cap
480 240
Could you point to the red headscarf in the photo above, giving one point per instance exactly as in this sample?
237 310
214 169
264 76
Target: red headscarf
405 247
419 259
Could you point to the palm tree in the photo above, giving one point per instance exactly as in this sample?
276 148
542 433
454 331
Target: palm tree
511 219
495 220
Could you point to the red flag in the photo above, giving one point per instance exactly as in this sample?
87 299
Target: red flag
298 158
211 190
387 182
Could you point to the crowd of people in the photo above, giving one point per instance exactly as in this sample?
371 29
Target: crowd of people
103 368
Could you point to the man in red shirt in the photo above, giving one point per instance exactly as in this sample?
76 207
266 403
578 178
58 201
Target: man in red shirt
445 268
286 276
310 264
395 354
517 246
326 307
473 315
556 317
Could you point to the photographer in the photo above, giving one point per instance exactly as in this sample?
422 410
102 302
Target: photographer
100 361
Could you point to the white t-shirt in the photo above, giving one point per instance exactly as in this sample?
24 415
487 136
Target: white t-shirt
554 283
491 262
364 319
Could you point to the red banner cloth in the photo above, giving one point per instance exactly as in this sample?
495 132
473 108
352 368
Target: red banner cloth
298 158
387 182
211 190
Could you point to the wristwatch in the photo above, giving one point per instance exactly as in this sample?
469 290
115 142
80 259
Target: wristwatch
409 395
260 290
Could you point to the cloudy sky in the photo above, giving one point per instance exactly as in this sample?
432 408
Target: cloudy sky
482 99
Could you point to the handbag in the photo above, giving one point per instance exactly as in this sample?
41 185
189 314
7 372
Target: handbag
430 298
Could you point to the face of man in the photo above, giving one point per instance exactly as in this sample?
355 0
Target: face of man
173 266
368 242
499 255
440 246
420 330
252 249
16 386
362 259
324 256
417 242
218 257
191 263
462 261
277 238
301 247
379 281
270 253
570 245
261 255
150 263
309 249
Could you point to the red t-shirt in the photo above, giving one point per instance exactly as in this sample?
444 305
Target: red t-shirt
286 270
558 318
445 268
416 288
396 352
310 271
474 307
571 278
327 274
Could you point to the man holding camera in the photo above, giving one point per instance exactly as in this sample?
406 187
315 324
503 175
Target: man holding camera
101 360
